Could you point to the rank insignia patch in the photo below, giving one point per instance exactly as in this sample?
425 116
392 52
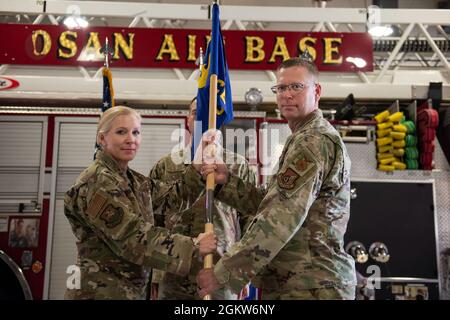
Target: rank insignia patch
286 179
302 164
96 205
112 216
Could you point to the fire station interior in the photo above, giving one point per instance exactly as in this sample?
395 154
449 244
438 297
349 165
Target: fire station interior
399 229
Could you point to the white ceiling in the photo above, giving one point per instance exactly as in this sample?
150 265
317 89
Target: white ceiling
405 4
164 85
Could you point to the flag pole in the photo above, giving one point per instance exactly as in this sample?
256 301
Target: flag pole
216 73
209 225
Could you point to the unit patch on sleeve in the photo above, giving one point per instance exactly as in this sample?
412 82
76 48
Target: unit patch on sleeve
112 216
295 174
286 179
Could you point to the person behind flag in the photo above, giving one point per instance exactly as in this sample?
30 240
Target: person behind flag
110 210
293 248
190 222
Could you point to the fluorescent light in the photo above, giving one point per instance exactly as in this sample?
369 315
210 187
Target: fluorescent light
75 22
358 62
381 31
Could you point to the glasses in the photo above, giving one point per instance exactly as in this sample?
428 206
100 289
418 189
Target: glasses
295 87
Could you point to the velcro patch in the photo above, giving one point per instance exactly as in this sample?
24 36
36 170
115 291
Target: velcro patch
96 205
286 179
302 165
112 216
296 174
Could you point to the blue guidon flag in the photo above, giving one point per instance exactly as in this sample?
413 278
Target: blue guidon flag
215 63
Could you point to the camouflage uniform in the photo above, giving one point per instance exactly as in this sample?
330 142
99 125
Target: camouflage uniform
191 222
110 211
293 249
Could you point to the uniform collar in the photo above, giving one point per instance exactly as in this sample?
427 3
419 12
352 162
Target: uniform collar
109 162
309 118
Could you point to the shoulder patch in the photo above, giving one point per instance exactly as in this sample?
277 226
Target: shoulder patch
112 216
96 205
286 179
296 174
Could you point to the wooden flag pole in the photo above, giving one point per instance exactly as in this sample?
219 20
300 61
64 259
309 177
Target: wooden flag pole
209 226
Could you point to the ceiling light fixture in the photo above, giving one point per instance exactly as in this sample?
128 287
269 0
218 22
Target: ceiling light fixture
74 21
381 31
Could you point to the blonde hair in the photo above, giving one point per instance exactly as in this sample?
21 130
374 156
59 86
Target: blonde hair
107 118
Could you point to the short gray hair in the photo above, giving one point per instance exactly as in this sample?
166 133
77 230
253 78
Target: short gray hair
299 62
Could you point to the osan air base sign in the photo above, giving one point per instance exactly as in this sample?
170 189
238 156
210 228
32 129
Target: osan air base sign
179 48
